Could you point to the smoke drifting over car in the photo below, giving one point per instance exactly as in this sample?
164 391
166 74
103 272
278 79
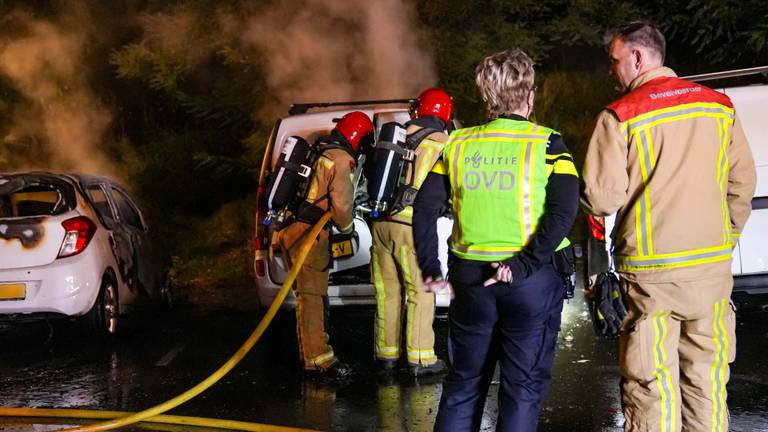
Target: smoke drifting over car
307 50
60 117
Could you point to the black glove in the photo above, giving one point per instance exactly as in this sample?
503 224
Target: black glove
608 310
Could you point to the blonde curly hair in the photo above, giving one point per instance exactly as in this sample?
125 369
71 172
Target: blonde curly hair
504 80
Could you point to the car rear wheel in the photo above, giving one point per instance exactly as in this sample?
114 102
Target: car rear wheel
104 316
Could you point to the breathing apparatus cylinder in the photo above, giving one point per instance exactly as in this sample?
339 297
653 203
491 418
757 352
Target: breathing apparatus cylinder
388 156
291 170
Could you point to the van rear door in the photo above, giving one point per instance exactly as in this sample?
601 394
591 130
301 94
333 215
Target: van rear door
751 103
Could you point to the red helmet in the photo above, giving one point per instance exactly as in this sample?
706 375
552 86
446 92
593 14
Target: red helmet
435 102
355 126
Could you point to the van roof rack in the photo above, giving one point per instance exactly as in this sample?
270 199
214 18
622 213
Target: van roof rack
302 108
760 70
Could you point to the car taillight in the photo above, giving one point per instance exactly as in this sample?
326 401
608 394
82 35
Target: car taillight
597 227
79 232
260 236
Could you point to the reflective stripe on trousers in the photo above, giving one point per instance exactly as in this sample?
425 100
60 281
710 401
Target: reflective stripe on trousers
397 279
674 355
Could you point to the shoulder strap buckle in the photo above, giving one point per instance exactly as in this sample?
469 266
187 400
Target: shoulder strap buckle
305 170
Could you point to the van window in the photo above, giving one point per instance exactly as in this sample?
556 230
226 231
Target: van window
128 213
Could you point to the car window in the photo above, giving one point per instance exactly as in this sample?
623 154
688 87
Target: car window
39 200
128 212
100 203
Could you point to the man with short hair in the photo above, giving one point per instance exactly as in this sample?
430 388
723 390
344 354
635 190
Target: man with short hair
671 157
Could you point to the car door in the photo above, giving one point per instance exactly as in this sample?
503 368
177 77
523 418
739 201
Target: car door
120 238
133 228
100 201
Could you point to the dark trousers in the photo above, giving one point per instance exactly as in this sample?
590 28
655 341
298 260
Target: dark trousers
515 324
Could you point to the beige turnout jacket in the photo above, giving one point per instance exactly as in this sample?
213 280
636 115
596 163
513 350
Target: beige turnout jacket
332 190
671 157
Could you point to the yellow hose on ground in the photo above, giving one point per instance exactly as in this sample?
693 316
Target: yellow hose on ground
163 419
152 412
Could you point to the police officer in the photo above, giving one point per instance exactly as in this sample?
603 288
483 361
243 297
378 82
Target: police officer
514 195
331 189
394 270
671 157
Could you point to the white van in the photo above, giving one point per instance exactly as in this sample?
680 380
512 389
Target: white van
750 257
349 282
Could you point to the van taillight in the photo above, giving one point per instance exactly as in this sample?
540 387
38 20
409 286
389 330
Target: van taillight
79 232
261 269
261 241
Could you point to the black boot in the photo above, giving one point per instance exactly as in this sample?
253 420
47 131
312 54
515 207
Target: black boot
417 370
336 371
387 365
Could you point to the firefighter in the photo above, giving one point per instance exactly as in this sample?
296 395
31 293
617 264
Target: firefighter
331 189
394 270
513 189
671 157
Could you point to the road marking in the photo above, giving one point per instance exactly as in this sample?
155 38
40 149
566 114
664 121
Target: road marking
169 356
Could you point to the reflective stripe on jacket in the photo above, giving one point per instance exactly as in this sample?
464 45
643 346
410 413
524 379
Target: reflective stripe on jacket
498 176
672 158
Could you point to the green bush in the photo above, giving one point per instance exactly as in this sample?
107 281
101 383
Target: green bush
214 253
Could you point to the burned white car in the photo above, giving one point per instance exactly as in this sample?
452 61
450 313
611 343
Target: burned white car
74 246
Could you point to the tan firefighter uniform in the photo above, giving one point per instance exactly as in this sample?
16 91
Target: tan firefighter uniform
672 158
395 273
332 179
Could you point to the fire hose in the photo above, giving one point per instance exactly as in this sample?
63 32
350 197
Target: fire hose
153 414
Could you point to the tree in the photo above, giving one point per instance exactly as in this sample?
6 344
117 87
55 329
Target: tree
193 91
707 35
566 38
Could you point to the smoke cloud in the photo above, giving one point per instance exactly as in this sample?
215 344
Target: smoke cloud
43 62
308 50
326 50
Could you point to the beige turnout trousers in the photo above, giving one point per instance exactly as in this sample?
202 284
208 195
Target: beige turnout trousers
395 274
674 353
311 290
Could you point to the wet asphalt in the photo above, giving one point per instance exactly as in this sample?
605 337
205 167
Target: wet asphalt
161 354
